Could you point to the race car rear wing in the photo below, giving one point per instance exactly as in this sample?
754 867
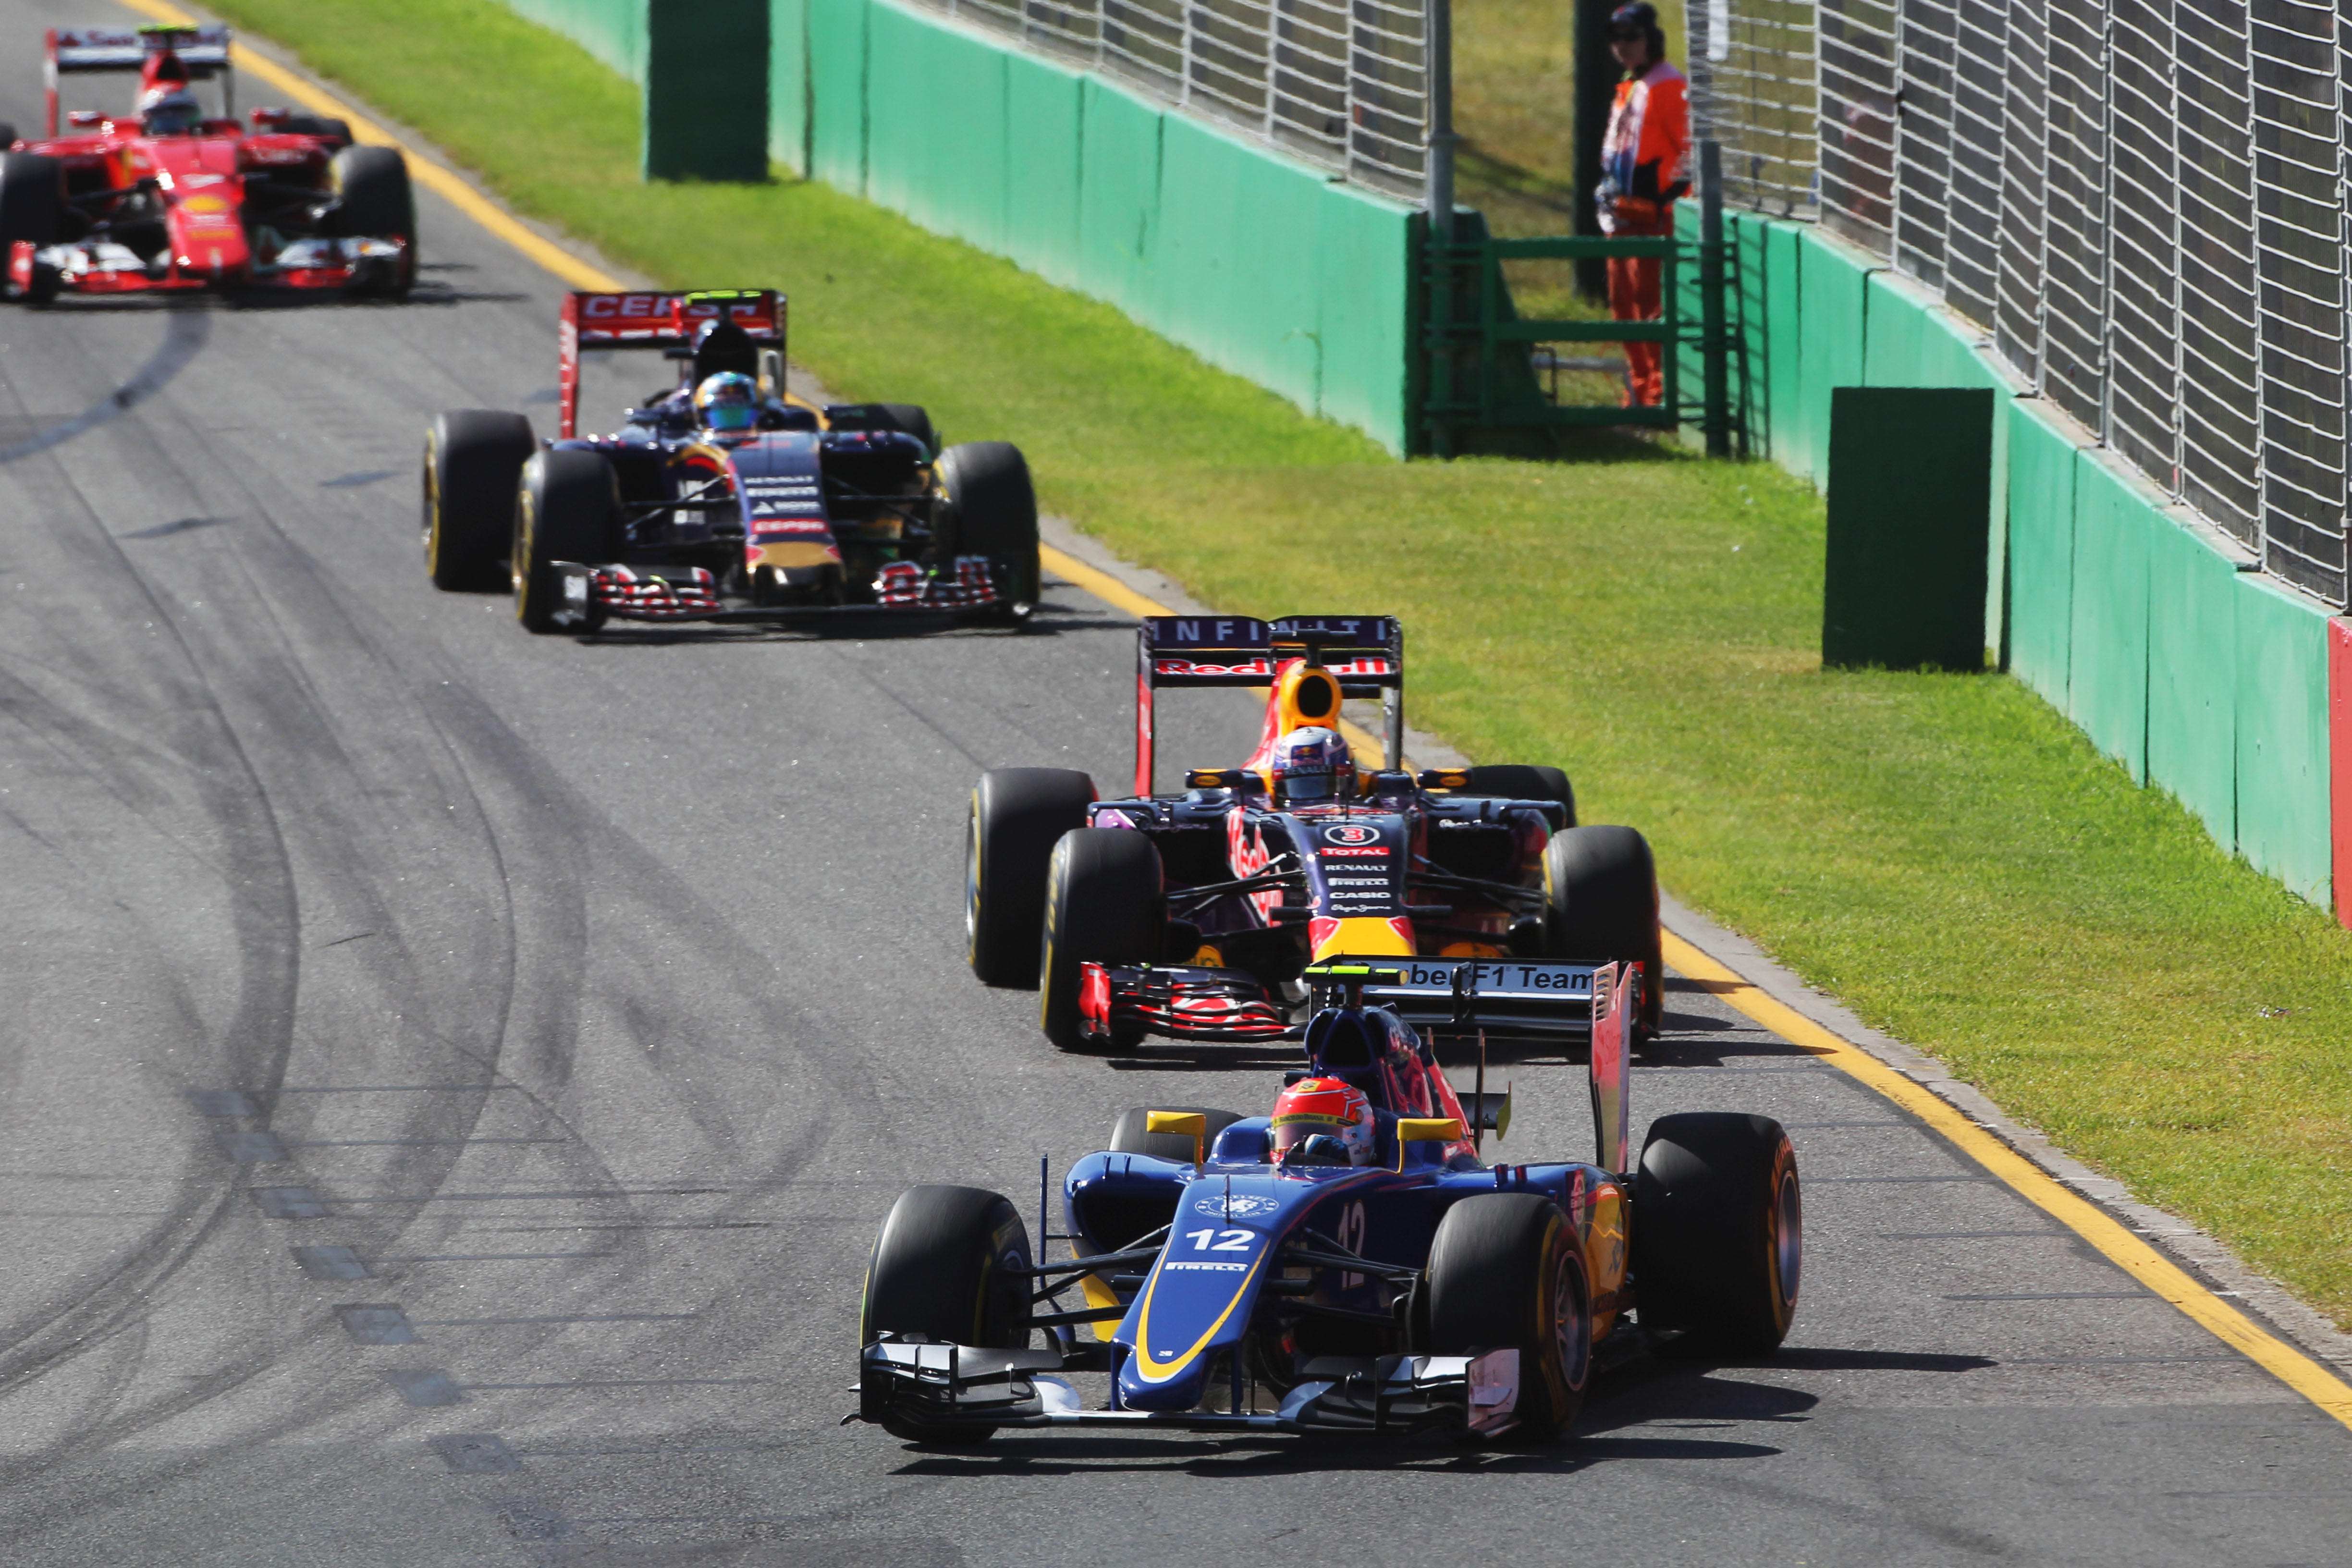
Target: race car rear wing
1364 653
77 51
1510 999
665 322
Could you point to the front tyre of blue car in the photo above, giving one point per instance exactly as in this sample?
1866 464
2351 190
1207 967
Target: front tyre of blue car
949 1267
1505 1273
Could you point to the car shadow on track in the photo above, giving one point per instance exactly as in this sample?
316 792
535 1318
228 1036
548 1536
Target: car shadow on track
1621 1420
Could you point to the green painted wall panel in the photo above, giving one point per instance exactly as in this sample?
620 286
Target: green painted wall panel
1365 260
705 81
1790 437
1119 196
1830 306
967 125
2040 492
2107 689
1041 154
837 66
788 84
2192 639
2282 700
612 30
1750 309
899 140
1894 323
1228 220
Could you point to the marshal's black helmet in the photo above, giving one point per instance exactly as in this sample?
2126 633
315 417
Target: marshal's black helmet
1643 15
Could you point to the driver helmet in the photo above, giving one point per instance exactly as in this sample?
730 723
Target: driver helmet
1312 764
1326 1120
726 403
169 110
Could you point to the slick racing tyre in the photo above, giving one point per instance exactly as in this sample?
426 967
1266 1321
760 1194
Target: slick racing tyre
373 202
1018 815
32 205
1518 780
1505 1273
567 509
1719 1231
473 464
992 510
1128 1134
1601 902
1104 903
944 1268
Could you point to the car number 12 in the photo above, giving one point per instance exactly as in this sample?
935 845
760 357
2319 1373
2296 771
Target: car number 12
1210 1239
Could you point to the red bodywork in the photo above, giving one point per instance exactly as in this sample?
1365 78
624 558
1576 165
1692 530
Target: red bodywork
213 197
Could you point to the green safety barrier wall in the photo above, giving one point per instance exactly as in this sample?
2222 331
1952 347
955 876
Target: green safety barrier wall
2205 681
612 30
1261 267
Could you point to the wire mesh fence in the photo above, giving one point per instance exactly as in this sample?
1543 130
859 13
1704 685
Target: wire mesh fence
2141 203
1340 83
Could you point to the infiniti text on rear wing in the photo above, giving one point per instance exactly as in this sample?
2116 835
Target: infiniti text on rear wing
653 321
1364 653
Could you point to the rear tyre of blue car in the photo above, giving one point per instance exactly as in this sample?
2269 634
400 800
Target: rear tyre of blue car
947 1268
1105 903
992 511
1601 902
1018 815
473 467
568 509
1505 1273
1719 1231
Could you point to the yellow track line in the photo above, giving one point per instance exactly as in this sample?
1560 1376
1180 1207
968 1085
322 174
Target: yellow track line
2085 1219
431 175
2078 1214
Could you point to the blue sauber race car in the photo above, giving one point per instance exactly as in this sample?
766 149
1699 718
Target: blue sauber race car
723 498
1194 916
1347 1264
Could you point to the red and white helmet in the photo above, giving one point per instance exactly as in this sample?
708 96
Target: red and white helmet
1324 1107
1312 764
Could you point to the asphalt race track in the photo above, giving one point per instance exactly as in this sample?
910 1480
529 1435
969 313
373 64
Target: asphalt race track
577 1009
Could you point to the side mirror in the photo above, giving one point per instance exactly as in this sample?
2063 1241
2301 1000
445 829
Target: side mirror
1444 778
1189 1123
1214 778
1428 1130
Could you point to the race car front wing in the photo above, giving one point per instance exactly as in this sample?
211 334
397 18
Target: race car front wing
1176 1001
589 595
923 1384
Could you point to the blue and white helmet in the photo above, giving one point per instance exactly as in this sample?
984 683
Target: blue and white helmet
1312 764
726 403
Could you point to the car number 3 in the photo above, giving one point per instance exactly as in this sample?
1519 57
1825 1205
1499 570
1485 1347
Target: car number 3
1210 1240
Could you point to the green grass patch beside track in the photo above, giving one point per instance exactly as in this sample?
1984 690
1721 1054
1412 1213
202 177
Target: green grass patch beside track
1944 852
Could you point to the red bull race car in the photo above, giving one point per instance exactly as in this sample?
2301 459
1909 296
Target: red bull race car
172 196
1193 916
723 498
1348 1264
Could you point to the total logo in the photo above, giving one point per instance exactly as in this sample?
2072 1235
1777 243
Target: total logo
1351 833
1245 1206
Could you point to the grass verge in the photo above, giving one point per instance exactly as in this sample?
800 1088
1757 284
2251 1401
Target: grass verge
1944 852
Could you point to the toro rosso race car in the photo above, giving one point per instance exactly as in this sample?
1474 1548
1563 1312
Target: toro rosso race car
1347 1264
723 498
169 197
1193 916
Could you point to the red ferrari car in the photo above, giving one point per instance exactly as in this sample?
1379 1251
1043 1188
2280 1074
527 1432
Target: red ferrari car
172 196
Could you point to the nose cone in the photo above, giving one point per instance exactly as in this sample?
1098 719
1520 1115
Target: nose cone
1200 1294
